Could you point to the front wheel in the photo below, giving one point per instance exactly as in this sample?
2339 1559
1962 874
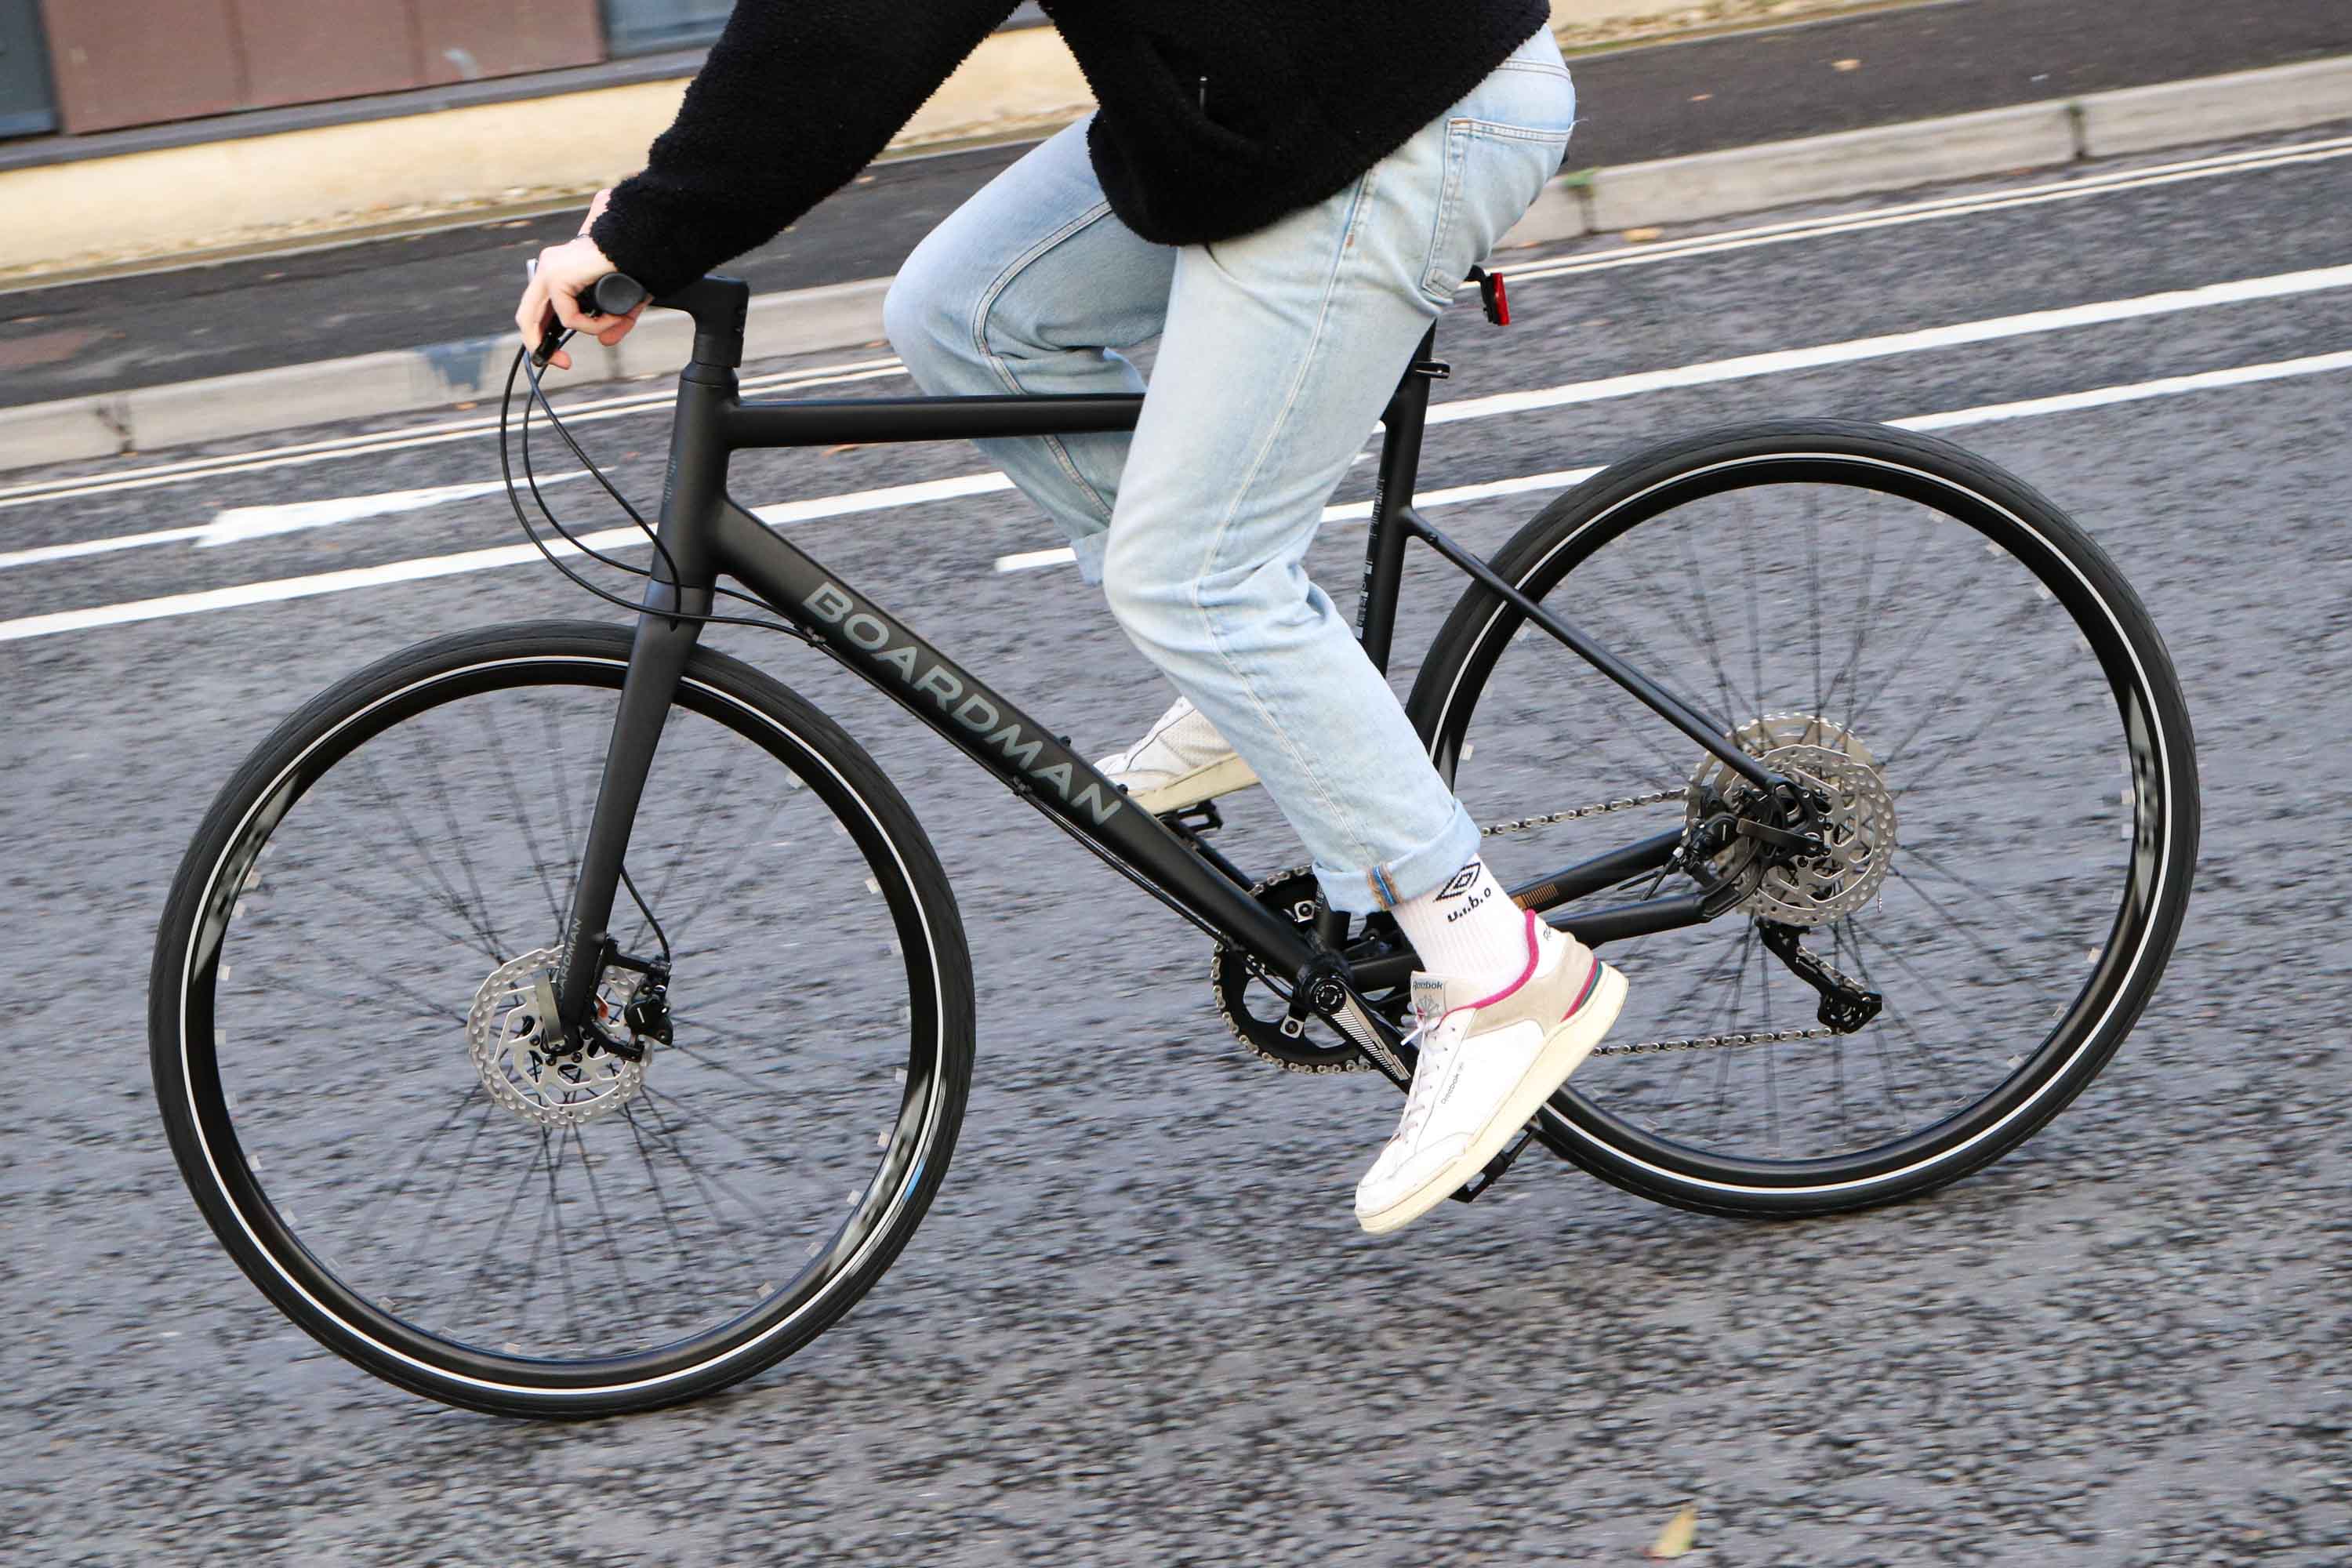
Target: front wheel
349 1065
1963 677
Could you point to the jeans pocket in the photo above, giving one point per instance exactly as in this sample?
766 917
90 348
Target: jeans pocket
1493 172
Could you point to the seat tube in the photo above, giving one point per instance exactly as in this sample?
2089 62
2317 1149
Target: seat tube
691 496
1401 424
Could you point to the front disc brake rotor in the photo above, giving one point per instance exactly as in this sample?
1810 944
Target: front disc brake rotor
521 1053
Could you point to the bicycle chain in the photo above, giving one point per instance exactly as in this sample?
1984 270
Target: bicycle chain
1579 814
1705 1042
1644 1047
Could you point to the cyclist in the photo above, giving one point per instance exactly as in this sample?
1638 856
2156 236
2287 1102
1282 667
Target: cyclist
1283 193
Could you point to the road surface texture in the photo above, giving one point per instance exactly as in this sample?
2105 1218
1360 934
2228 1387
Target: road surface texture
1656 102
1141 1324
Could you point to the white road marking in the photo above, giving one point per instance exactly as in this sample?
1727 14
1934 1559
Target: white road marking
2107 397
194 470
236 524
884 500
1744 367
1988 413
2284 285
1356 511
428 567
2070 188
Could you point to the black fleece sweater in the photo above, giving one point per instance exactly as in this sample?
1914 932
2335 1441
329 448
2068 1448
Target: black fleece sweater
1215 117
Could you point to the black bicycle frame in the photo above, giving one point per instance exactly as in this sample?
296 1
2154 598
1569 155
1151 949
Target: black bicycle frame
705 535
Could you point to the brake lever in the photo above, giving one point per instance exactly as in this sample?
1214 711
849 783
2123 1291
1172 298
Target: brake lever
553 334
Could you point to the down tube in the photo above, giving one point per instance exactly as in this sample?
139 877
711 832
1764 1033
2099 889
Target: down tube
993 732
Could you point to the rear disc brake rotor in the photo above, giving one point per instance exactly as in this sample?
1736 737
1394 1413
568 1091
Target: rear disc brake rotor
1858 825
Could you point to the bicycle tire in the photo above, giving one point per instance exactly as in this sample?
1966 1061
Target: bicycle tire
1544 555
203 1129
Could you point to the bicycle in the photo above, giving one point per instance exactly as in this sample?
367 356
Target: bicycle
1992 929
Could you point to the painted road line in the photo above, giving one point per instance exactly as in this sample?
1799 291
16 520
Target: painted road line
427 567
2285 285
236 524
2071 188
1710 372
1987 413
1357 510
197 468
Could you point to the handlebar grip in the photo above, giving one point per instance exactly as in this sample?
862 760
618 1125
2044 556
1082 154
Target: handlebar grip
613 294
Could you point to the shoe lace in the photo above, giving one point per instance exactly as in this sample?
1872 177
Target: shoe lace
1421 1098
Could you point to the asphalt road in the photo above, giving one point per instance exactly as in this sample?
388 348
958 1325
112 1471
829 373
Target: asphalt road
1655 101
1141 1324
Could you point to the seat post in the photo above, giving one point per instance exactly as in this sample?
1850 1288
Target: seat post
1402 423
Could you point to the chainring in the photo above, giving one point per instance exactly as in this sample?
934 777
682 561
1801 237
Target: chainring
1254 1011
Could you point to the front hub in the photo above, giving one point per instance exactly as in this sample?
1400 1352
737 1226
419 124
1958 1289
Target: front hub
527 1064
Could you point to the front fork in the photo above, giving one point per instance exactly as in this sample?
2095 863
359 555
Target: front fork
656 663
683 575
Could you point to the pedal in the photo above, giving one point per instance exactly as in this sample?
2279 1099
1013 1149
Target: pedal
1201 816
1471 1191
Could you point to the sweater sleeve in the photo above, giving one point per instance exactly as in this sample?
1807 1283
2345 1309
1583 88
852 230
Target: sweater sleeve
796 96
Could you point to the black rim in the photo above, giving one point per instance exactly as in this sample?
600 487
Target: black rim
382 1336
2123 955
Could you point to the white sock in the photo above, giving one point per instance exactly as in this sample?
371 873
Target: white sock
1468 930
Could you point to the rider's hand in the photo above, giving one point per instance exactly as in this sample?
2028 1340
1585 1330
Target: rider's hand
563 272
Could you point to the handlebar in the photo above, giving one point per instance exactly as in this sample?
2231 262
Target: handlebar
613 294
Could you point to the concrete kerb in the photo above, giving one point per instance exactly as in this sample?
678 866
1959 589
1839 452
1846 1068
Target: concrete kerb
849 315
2204 109
1848 164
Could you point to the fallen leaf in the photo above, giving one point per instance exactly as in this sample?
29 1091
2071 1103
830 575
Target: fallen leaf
1845 65
1642 236
1701 96
1676 1539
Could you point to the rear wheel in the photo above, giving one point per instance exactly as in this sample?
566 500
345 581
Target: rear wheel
351 1068
1965 674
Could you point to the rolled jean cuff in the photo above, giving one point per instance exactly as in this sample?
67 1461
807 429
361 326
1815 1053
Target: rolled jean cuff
1408 876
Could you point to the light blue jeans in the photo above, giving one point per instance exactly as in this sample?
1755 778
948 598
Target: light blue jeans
1277 351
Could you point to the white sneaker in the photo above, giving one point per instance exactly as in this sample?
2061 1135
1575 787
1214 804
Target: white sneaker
1486 1066
1180 761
